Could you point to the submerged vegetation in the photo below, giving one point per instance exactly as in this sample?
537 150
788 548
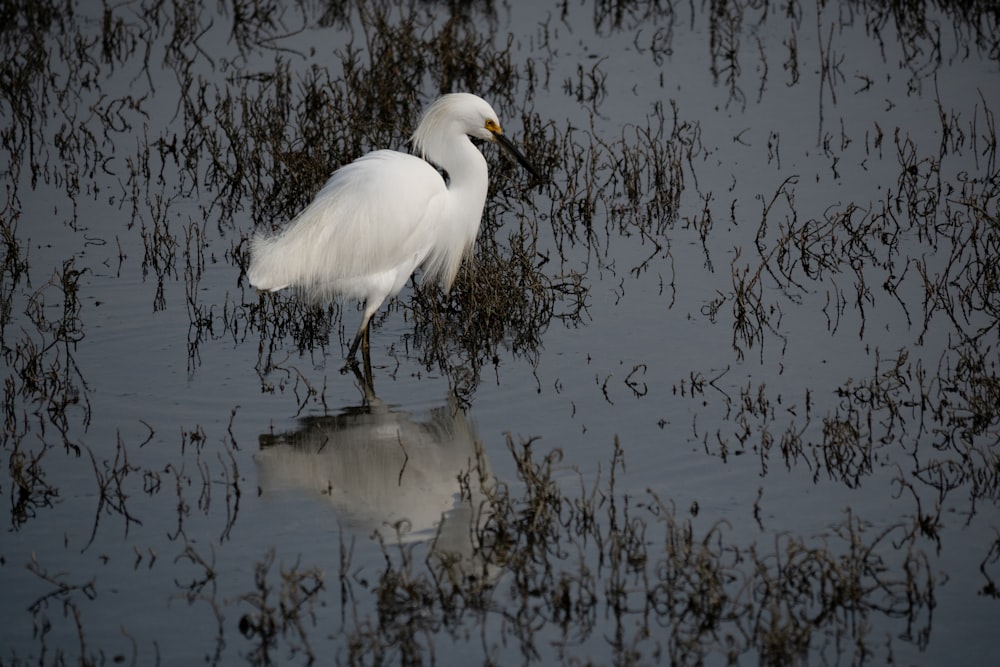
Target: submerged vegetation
841 282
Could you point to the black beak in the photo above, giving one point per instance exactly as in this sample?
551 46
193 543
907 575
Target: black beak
509 146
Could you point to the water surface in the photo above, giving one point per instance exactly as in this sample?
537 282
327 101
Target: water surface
721 388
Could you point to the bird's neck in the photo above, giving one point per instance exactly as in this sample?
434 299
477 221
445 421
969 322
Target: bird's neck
466 168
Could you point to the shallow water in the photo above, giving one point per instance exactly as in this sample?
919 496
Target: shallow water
736 401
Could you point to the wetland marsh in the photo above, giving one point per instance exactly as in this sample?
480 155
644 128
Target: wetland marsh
720 388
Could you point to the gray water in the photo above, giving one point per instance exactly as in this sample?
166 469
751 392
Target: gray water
736 400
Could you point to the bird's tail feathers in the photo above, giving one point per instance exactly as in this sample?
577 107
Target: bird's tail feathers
295 260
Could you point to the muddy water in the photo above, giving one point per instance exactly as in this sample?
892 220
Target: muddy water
722 387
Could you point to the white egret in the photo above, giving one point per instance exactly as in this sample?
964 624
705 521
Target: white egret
387 213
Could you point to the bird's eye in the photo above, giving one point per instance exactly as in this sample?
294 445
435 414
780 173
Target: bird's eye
493 126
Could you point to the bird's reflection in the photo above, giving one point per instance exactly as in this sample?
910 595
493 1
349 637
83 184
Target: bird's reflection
384 471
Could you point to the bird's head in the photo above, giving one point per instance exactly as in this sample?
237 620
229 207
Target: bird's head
462 113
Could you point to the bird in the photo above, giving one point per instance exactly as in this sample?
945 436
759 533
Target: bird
386 214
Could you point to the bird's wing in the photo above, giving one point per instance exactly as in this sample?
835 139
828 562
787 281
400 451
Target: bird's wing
373 216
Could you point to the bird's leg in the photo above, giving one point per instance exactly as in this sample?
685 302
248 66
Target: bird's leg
364 381
361 335
366 359
362 338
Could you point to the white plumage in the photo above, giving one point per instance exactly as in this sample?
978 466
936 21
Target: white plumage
380 217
